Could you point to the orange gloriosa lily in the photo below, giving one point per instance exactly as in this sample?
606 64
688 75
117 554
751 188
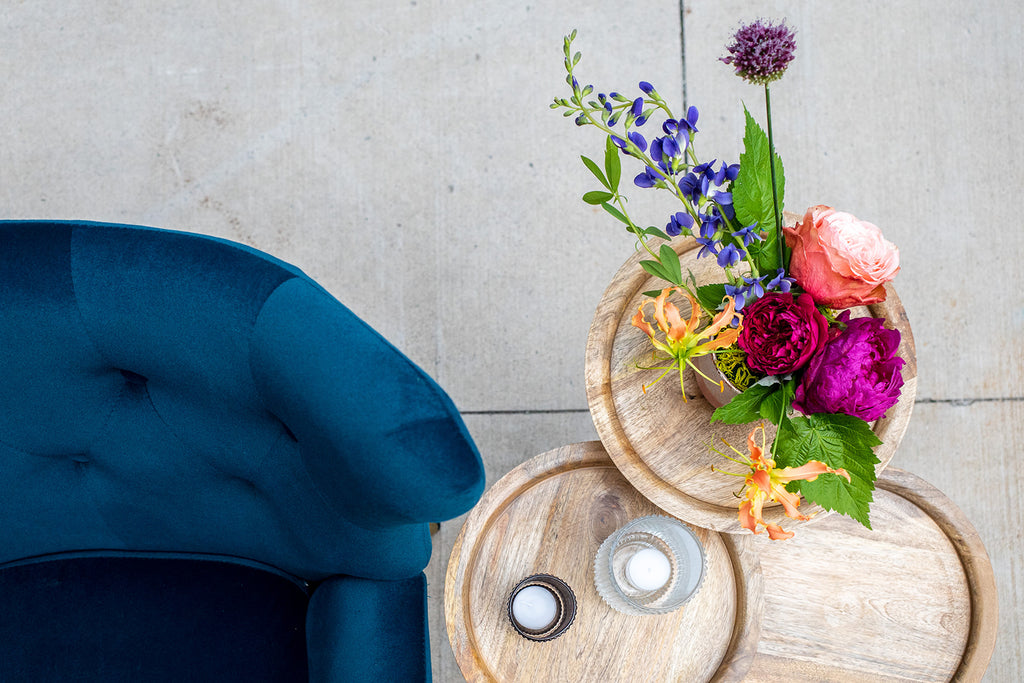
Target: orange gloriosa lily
765 483
683 340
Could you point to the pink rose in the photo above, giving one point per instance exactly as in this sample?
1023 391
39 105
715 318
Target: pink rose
839 260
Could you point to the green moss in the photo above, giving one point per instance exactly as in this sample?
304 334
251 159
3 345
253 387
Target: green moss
733 364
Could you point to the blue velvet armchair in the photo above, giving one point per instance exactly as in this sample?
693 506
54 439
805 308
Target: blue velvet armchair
209 468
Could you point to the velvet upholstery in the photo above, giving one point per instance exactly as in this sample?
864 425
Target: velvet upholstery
169 392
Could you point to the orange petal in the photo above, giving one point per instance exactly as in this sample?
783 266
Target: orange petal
639 322
776 533
790 501
809 472
747 520
676 326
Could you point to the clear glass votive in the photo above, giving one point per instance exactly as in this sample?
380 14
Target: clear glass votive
541 607
652 565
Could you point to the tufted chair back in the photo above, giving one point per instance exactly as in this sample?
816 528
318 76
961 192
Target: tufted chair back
171 392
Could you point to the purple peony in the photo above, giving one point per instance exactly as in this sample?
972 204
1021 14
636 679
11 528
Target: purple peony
760 52
781 333
857 373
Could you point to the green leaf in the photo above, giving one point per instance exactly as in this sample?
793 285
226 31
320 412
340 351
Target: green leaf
597 197
710 296
745 407
670 262
838 441
776 404
752 193
654 268
653 293
595 169
657 233
612 164
617 214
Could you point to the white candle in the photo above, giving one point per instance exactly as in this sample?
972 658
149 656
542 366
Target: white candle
534 608
649 569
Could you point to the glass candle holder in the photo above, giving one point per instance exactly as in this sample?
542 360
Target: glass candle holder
541 607
652 565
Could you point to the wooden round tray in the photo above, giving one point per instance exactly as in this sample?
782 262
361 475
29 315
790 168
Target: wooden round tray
913 599
660 441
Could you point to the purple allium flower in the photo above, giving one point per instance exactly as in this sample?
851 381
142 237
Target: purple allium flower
760 52
857 373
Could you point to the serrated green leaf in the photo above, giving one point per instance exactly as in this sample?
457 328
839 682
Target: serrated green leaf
670 263
838 441
597 197
710 296
612 164
752 192
595 169
654 268
617 214
745 407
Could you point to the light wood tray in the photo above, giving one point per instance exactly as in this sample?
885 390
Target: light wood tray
912 600
660 442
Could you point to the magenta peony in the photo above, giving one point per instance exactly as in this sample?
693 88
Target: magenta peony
839 260
857 373
781 333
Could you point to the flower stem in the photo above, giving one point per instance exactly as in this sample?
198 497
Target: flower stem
771 165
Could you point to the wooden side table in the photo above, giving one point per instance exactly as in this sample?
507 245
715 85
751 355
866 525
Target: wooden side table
913 599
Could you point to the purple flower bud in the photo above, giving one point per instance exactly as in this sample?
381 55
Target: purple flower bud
638 107
618 142
646 87
761 52
638 140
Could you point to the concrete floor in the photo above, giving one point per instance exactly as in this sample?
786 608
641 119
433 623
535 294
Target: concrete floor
402 153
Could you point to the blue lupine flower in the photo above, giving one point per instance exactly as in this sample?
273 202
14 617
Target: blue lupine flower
618 142
679 222
640 120
669 147
754 288
638 107
649 178
646 87
738 294
707 247
729 256
748 235
608 106
638 140
780 281
690 122
689 185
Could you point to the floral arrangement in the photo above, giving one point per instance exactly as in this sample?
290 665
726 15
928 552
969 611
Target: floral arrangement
778 327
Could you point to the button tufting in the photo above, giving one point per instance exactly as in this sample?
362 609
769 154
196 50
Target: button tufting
133 377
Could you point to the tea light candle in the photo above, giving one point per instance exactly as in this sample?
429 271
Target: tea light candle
534 608
649 569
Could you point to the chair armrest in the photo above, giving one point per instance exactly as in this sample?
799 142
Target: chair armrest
379 436
367 630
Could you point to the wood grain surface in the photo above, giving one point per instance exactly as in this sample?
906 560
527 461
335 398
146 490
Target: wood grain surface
914 599
661 440
550 515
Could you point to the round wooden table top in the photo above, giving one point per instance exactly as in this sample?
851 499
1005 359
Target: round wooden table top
661 440
913 599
